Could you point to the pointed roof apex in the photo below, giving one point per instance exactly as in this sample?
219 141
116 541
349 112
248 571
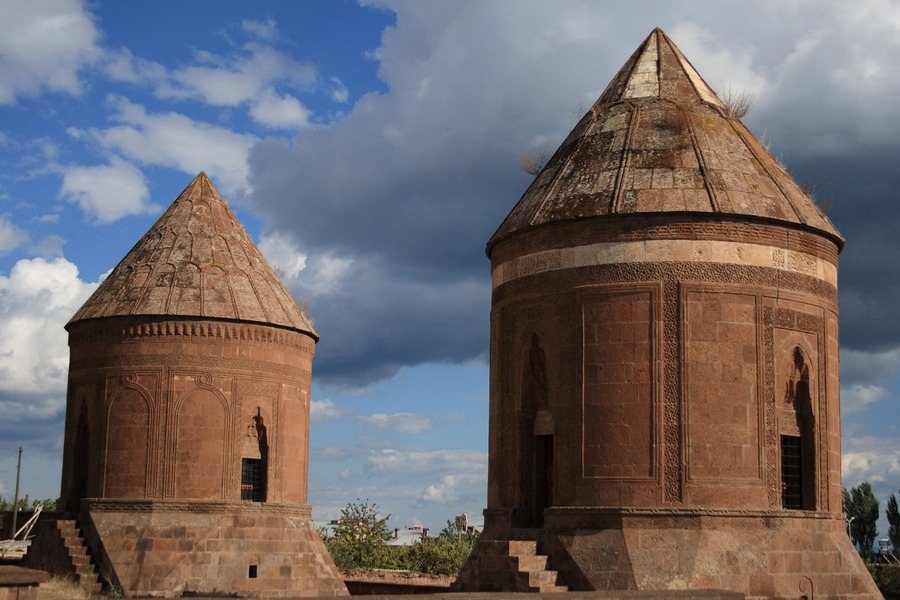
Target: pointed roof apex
196 261
659 141
655 70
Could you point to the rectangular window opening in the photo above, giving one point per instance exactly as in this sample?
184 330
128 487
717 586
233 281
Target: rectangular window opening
791 473
251 481
253 572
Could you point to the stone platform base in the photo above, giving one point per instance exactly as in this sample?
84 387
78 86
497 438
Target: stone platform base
173 548
17 583
760 555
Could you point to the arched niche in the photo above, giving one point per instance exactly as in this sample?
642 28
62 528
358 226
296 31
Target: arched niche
798 437
128 427
200 445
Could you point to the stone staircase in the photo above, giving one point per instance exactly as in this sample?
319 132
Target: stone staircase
532 567
507 566
85 572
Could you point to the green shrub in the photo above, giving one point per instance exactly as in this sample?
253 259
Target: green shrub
887 578
442 555
360 539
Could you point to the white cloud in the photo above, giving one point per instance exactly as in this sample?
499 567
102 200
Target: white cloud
43 46
11 236
323 410
869 458
264 29
251 79
37 299
446 490
338 91
723 65
50 246
108 192
858 397
417 461
281 252
122 65
174 140
279 112
403 422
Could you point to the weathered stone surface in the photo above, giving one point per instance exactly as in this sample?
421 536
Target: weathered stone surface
187 419
196 261
659 140
663 338
169 549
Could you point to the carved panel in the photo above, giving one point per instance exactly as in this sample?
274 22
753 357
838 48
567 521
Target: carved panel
128 444
722 408
619 386
801 322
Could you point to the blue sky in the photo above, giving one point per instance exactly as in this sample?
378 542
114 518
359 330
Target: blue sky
371 150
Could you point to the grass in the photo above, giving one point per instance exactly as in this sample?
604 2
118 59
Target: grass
61 587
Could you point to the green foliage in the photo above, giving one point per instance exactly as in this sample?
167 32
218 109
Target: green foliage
893 517
441 555
861 506
26 505
887 578
359 540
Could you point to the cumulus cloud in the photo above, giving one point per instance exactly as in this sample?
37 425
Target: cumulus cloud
11 236
264 29
175 140
109 192
858 397
37 299
45 46
418 461
870 458
323 410
402 422
252 78
446 490
281 252
409 185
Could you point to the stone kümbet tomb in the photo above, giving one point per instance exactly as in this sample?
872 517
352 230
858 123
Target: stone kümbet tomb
187 418
664 389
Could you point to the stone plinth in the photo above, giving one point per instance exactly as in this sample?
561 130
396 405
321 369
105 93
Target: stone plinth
168 549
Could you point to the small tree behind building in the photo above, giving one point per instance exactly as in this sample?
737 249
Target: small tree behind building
893 516
360 538
861 507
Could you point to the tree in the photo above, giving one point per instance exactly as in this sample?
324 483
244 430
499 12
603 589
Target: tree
441 555
861 509
893 516
360 538
27 505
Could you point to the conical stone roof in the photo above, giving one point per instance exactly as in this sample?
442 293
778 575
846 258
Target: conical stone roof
196 261
659 140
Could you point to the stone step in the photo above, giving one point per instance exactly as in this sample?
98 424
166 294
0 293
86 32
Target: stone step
536 562
539 579
522 547
533 567
79 557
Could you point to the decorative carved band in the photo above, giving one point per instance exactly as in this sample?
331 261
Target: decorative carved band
197 507
672 394
652 251
139 328
759 277
291 372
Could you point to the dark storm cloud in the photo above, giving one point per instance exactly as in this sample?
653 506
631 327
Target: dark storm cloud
413 181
